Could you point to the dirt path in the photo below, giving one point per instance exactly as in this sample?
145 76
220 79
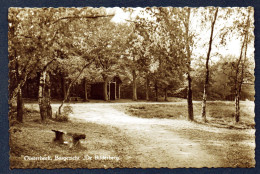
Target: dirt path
156 143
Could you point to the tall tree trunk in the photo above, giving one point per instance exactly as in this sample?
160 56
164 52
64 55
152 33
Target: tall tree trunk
189 99
48 96
105 87
189 91
165 94
134 86
20 106
86 89
147 88
42 96
205 92
156 91
237 86
238 83
237 113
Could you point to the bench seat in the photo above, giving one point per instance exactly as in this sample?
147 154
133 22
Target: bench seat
76 137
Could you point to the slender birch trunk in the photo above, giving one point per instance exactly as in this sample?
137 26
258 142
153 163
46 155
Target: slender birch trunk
86 89
42 96
205 92
147 88
19 99
238 83
48 96
134 86
189 90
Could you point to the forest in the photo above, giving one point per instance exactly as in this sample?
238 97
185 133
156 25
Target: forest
154 55
156 51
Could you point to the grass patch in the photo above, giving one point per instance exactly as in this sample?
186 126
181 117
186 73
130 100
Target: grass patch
219 113
154 111
34 138
235 148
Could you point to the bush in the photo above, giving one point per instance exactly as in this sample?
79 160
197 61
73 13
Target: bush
31 110
64 116
61 118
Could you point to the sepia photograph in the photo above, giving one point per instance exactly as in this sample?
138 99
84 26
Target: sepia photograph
154 87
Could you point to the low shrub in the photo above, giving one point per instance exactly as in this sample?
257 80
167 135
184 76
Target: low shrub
31 110
61 118
64 116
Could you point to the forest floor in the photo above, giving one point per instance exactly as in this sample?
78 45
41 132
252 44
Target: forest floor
138 134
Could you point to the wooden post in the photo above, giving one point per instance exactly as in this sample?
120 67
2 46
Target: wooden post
108 90
105 93
115 91
119 90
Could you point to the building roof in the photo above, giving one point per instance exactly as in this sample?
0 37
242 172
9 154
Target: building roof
110 78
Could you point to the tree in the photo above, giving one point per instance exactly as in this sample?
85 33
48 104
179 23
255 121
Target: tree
164 49
37 37
189 91
38 30
24 50
108 43
93 45
240 65
134 53
15 75
222 80
137 50
188 38
207 67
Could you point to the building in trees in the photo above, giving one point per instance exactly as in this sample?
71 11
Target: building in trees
113 88
93 90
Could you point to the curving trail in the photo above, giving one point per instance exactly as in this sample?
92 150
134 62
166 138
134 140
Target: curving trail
156 142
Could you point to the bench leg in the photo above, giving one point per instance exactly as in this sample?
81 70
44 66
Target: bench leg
59 137
76 142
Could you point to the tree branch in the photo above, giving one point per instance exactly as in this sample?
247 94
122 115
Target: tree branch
70 85
81 17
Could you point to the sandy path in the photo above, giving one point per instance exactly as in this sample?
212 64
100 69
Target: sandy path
156 144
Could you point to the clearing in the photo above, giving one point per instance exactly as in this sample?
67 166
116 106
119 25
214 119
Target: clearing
113 130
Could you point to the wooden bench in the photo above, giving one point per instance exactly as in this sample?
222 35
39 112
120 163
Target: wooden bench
58 136
76 137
